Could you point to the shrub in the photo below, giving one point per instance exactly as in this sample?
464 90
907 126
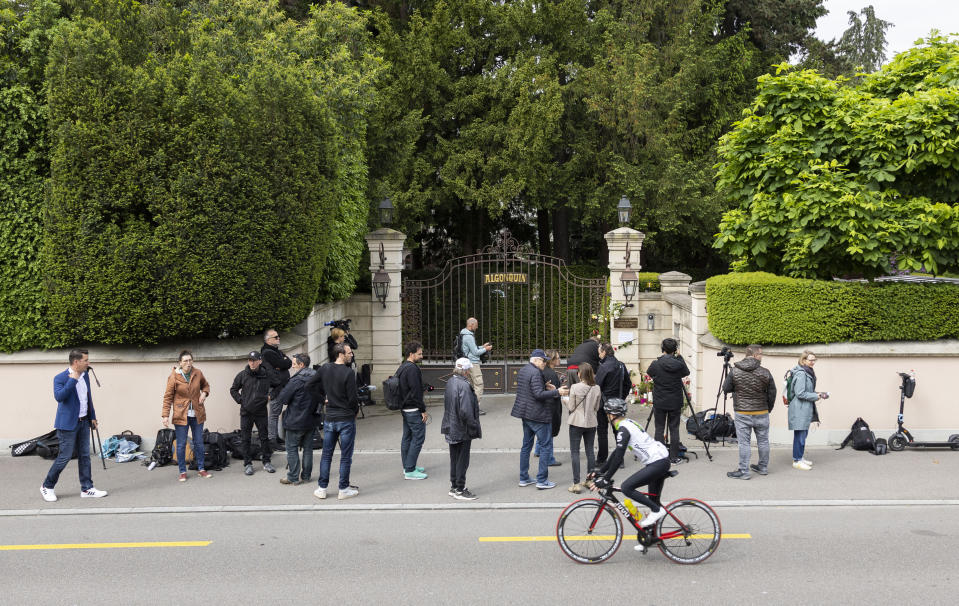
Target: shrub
763 308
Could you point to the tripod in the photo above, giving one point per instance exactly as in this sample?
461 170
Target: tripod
687 402
726 356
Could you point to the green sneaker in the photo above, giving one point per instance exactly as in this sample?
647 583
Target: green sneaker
423 469
414 475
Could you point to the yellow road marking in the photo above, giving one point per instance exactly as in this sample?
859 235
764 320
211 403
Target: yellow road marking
593 538
104 545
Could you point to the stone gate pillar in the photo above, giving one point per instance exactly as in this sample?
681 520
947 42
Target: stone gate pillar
386 322
624 333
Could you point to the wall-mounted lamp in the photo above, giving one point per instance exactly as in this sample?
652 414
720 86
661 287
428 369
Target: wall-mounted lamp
386 212
629 279
650 321
624 208
381 279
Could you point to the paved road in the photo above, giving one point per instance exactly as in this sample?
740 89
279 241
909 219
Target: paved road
809 555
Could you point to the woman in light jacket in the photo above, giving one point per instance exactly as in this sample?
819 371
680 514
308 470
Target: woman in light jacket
583 402
186 391
801 407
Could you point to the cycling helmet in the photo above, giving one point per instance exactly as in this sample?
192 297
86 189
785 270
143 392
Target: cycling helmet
615 406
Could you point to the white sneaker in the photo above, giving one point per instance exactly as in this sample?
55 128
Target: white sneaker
92 493
806 461
653 517
48 495
319 493
348 492
801 465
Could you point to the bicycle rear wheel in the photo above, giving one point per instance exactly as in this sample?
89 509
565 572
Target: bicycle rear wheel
589 531
690 533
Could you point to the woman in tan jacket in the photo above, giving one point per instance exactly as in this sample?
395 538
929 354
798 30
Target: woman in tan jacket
583 402
186 391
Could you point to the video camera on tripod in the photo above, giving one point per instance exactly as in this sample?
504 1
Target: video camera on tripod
725 353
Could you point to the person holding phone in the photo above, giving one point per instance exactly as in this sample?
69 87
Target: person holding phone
802 407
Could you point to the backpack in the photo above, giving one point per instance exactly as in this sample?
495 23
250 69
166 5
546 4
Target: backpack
457 348
788 391
707 426
627 385
391 391
163 447
861 436
215 454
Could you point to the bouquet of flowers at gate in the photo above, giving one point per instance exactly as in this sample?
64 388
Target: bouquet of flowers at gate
642 392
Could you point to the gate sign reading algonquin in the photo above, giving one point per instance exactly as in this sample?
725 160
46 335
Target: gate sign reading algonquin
507 278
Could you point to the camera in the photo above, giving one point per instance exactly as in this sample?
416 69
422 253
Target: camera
725 353
427 387
341 324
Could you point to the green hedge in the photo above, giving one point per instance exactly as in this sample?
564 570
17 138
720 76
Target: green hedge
763 308
204 162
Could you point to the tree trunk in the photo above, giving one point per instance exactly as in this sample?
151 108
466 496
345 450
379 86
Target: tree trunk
542 229
561 233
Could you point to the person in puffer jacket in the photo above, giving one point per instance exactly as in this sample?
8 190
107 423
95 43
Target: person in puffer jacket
754 393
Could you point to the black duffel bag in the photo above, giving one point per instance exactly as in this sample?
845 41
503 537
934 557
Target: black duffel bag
128 435
215 453
29 447
710 427
49 448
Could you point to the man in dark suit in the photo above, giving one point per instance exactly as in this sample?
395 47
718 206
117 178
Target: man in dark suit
75 417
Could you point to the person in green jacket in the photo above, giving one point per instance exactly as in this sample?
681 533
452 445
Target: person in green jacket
801 407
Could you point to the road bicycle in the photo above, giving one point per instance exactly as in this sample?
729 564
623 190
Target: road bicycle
589 530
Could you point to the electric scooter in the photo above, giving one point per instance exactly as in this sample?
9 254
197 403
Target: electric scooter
902 438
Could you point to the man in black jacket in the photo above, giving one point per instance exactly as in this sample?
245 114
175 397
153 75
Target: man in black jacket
588 352
413 411
299 421
460 426
278 367
667 372
250 390
612 378
337 387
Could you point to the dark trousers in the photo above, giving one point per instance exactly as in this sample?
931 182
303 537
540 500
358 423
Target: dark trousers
670 418
602 437
77 440
296 439
586 435
246 437
653 475
459 463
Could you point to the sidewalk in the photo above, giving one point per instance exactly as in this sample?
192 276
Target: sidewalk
837 478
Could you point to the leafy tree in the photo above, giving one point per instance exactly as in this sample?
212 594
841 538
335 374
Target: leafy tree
831 179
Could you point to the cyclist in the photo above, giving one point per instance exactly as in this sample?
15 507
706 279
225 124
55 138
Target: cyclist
654 455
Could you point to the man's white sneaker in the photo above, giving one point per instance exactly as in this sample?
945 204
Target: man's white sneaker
653 517
319 493
92 493
806 461
346 493
801 465
48 495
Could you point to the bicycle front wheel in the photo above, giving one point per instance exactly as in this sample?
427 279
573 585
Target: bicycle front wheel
589 531
690 532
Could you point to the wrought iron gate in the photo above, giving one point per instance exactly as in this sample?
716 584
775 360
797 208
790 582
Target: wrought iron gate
522 300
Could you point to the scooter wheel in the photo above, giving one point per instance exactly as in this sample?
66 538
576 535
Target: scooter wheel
954 440
897 442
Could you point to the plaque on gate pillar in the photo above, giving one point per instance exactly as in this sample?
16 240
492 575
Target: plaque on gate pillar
626 323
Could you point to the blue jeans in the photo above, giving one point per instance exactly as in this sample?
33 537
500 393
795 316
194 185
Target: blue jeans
536 453
343 432
799 443
79 440
295 439
197 430
543 433
414 434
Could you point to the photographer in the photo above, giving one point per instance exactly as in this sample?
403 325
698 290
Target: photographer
667 372
754 393
340 333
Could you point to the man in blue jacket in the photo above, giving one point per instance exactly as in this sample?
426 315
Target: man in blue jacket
534 405
473 352
75 417
299 422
